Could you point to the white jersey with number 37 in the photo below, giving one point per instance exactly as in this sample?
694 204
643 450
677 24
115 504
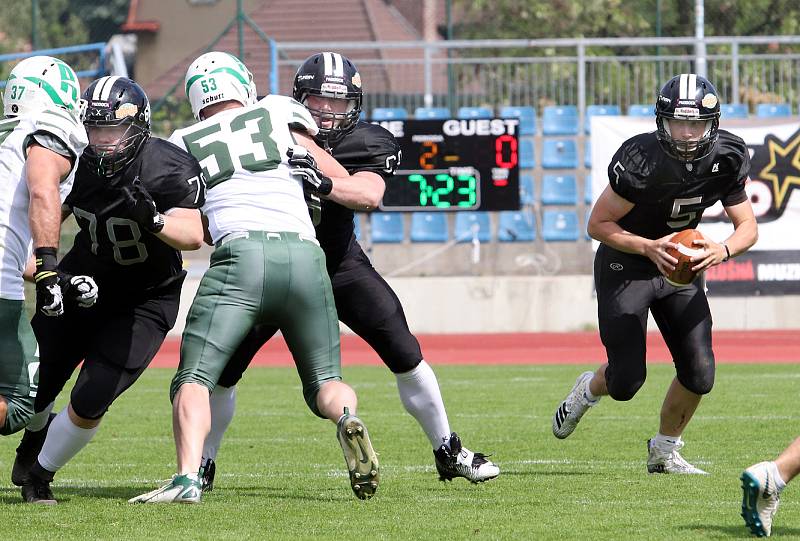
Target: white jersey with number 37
248 179
55 129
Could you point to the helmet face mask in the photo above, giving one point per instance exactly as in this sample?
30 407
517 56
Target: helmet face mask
687 117
332 76
117 121
217 77
40 83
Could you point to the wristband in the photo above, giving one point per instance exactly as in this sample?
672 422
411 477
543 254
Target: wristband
46 262
727 252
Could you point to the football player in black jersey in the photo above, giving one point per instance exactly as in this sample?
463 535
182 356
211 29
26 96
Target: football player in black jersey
135 199
329 85
660 183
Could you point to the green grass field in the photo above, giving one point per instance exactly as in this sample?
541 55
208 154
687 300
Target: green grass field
281 473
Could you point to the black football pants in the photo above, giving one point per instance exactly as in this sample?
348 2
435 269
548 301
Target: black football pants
627 287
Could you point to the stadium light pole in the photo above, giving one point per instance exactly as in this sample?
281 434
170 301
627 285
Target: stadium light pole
700 66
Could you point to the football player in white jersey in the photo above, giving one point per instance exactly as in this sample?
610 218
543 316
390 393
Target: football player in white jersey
41 139
267 266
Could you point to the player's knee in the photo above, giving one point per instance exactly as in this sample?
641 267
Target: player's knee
623 389
3 412
14 415
89 408
188 376
698 383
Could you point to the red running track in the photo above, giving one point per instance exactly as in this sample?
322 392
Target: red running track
781 346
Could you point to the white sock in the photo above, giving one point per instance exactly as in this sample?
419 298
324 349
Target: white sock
64 441
666 442
780 484
420 394
39 420
588 393
223 406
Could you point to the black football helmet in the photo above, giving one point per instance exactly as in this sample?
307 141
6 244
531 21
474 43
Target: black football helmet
688 97
116 101
330 75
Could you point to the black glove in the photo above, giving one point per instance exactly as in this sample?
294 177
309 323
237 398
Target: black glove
49 300
141 207
81 289
304 167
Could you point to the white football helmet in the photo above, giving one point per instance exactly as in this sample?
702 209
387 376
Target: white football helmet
216 77
40 83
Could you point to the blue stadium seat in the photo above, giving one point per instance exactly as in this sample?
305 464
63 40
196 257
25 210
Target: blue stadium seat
772 110
587 153
437 113
587 189
734 110
527 192
598 110
641 109
526 157
357 225
560 225
526 116
559 190
389 113
559 154
429 227
475 112
516 226
387 227
560 120
471 224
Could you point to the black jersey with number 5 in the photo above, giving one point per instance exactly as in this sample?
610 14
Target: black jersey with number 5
110 246
368 147
669 195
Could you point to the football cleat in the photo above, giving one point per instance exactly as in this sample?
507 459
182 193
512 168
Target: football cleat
27 452
208 470
362 462
37 490
458 461
760 499
669 460
570 411
181 489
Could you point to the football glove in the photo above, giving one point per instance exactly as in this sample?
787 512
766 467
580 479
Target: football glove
304 167
49 299
81 289
141 207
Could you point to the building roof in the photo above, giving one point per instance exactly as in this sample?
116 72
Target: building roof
322 22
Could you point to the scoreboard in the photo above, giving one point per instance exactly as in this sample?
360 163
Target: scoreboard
454 164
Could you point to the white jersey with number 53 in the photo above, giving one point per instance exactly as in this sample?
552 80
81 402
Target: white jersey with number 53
55 129
248 179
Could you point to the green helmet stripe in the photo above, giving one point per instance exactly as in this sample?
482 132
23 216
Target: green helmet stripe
44 85
230 71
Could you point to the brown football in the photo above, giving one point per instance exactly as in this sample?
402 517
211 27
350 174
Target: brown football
683 273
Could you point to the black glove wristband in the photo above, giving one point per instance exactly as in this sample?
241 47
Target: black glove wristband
325 186
46 263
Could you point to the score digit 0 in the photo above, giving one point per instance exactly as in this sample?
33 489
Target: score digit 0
426 156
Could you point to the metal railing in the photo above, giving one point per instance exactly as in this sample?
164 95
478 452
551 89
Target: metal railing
88 61
618 71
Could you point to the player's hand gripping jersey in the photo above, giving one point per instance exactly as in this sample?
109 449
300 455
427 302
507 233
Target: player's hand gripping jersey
368 147
669 195
243 154
56 129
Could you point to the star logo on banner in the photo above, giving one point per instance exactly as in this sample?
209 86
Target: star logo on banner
783 167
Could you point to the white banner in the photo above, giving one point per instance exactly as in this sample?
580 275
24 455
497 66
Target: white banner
775 173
